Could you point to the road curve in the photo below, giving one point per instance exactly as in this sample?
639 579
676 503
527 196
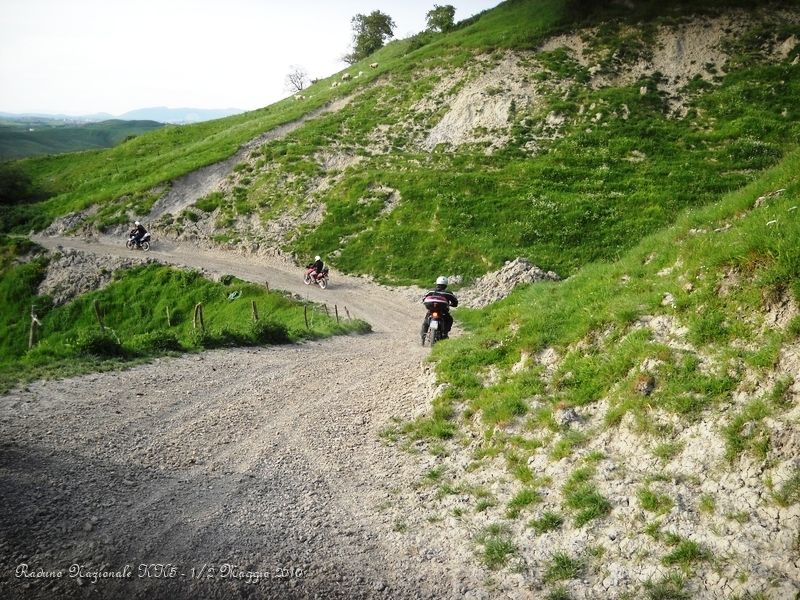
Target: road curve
255 473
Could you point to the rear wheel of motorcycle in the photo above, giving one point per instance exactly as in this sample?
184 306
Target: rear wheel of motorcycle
430 337
323 283
145 246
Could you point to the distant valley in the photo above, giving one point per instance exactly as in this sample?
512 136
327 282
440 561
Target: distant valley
36 134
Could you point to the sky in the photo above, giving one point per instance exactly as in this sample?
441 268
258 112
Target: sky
79 57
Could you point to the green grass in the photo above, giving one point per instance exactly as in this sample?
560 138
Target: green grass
599 298
746 432
549 521
484 504
523 499
685 554
582 497
562 567
654 502
144 312
497 545
707 504
671 587
789 492
667 451
558 593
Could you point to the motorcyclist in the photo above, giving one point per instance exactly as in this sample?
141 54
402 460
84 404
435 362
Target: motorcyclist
317 265
441 300
137 233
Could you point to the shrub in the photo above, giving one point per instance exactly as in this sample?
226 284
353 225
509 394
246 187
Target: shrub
210 202
269 332
97 343
155 341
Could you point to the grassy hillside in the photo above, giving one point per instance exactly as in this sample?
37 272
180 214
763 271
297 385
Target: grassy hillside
583 171
638 418
146 312
127 175
40 137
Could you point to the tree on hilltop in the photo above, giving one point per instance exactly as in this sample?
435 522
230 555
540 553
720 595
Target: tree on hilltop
370 32
296 79
440 18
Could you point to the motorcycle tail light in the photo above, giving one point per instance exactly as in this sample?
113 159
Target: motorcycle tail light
435 315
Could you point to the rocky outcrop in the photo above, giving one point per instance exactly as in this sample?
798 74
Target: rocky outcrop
498 284
71 273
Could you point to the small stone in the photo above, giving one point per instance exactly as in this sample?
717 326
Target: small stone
645 385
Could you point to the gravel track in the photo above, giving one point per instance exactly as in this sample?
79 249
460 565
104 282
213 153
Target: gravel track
268 459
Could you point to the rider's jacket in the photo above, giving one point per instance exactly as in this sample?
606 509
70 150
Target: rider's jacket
439 299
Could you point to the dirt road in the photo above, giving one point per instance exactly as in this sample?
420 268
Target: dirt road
256 473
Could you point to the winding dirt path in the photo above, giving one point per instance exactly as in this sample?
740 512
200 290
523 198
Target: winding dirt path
269 460
186 190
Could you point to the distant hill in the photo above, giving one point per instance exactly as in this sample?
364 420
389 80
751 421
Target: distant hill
20 139
4 116
162 114
179 115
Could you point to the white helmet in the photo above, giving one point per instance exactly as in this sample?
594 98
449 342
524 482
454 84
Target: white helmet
136 223
441 280
317 257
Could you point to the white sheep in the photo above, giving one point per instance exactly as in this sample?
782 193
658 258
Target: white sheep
346 77
360 73
299 97
374 65
335 84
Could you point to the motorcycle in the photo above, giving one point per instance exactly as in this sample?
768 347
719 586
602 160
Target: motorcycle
435 332
144 243
437 306
321 279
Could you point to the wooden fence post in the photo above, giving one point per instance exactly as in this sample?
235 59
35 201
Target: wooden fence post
97 314
305 314
336 310
198 317
255 312
266 285
169 318
348 314
34 322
